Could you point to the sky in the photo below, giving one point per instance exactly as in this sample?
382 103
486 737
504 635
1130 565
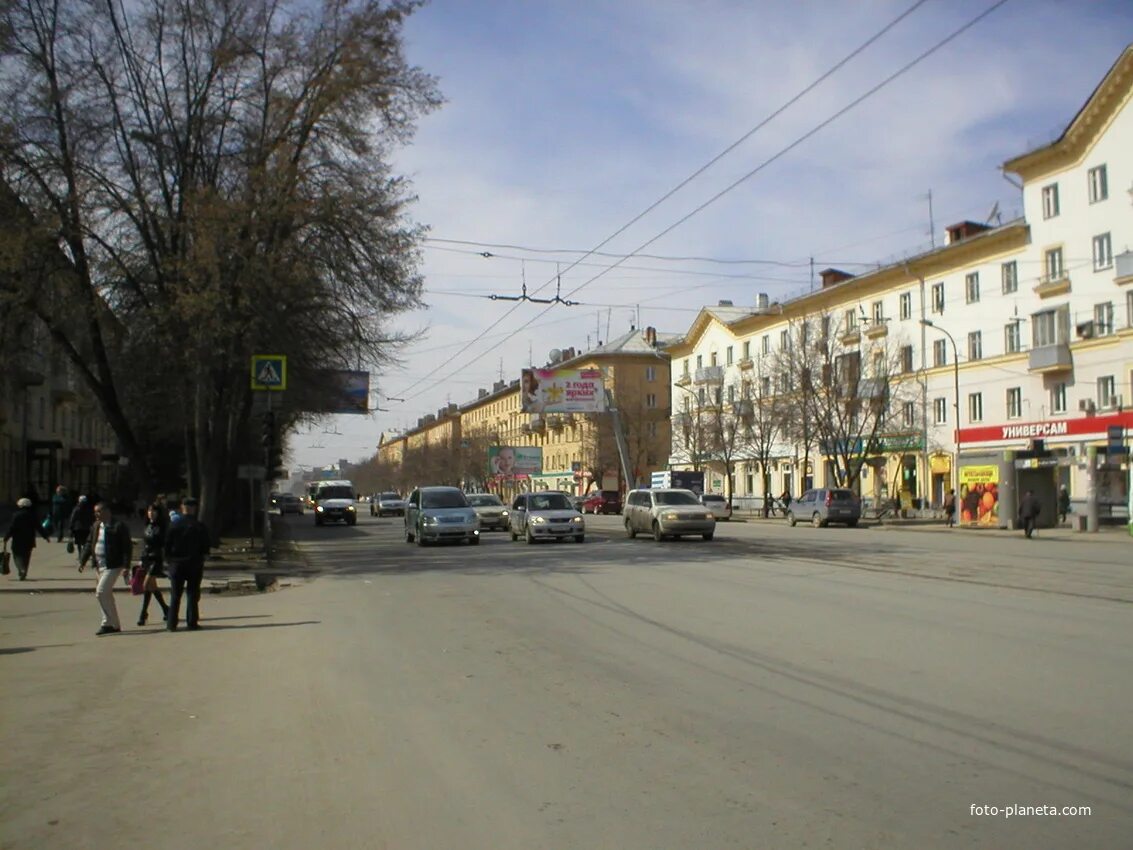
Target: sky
567 120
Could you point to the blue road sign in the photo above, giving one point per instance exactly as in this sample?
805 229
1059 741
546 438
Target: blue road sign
269 372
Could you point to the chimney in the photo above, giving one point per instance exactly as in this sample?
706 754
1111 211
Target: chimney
964 230
830 277
498 385
651 337
481 393
762 301
724 302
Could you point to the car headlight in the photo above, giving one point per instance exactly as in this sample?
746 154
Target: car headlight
504 514
350 508
428 520
670 516
538 520
319 508
577 519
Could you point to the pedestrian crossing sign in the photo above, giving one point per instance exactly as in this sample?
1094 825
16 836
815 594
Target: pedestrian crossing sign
269 372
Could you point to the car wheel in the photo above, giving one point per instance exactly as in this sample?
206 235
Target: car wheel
318 521
657 535
853 523
630 533
514 537
420 537
408 536
353 521
474 541
816 520
791 519
580 538
528 536
708 535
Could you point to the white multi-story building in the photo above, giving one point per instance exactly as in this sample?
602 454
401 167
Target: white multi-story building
1023 329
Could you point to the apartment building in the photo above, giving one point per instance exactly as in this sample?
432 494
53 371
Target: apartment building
1008 351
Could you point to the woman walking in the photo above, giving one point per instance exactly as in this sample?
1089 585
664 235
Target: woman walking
153 561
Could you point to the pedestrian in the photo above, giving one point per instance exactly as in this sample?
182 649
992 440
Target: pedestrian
21 532
768 505
109 549
82 518
1063 503
60 512
785 499
950 508
1029 512
153 562
186 545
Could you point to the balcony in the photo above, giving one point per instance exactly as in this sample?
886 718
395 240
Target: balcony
881 329
683 381
1123 268
746 363
1052 285
710 374
851 337
1050 358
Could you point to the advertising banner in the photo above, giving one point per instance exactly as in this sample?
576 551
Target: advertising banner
519 461
349 391
562 391
979 495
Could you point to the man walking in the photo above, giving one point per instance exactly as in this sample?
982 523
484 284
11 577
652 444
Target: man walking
60 512
950 508
1063 503
186 546
1029 512
109 548
22 531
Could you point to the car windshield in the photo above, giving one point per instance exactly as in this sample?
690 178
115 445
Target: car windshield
443 499
551 502
676 498
389 497
484 501
336 493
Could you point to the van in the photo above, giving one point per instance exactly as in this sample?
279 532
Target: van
334 502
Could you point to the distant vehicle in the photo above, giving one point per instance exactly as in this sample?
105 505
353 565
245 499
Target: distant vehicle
334 502
288 503
823 506
667 513
387 504
490 509
602 502
546 516
433 514
719 506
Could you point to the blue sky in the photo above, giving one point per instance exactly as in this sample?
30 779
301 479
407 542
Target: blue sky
565 120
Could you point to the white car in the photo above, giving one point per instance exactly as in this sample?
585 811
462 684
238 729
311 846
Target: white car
549 515
719 506
433 514
390 504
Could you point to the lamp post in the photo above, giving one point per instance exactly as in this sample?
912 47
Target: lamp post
956 381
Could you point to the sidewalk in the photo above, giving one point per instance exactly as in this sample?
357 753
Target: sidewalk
232 567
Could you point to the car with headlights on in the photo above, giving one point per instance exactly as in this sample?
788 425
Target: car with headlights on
433 514
493 513
549 515
334 502
288 503
667 513
387 504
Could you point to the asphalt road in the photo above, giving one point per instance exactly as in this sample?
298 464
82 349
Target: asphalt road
773 688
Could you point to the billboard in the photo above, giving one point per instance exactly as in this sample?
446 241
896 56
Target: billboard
348 391
979 495
562 391
515 460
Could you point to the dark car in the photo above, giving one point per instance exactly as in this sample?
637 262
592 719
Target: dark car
602 502
823 506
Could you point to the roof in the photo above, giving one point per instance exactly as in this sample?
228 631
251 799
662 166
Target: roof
631 342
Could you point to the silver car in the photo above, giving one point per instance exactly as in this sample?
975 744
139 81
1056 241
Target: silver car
667 513
546 516
492 512
387 503
823 506
433 514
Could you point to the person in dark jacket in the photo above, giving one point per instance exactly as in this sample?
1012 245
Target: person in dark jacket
109 549
21 532
950 508
153 562
82 518
60 512
1029 511
1063 503
186 546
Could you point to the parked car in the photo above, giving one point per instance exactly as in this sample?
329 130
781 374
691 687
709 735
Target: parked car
387 504
719 506
490 509
546 516
433 514
823 506
288 503
667 513
602 502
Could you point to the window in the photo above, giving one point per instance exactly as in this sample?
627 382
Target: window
1053 261
731 393
909 414
1050 200
712 358
766 344
975 407
938 297
1058 398
699 361
765 387
1050 327
650 373
1014 403
1009 276
650 400
1103 319
976 345
651 429
906 358
1012 341
1107 393
718 395
685 369
747 349
1103 252
939 352
851 321
1099 188
940 410
972 287
1129 309
906 305
700 396
878 312
784 340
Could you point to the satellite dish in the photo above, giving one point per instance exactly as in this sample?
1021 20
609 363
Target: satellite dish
556 355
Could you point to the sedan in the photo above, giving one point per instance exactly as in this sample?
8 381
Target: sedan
491 511
719 506
387 504
546 516
288 503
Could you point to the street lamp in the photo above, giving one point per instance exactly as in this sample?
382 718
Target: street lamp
956 380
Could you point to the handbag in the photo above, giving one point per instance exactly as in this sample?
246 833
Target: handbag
138 580
47 525
70 547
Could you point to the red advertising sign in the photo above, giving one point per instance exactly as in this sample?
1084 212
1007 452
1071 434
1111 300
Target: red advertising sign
1083 427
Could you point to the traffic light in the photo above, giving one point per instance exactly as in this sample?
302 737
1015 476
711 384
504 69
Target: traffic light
268 440
275 468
